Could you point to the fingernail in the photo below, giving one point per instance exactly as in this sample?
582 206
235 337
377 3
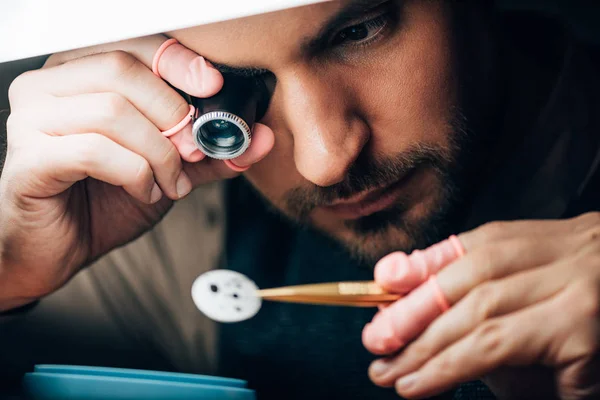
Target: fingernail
371 340
396 273
390 268
184 185
156 194
379 367
406 382
198 73
379 336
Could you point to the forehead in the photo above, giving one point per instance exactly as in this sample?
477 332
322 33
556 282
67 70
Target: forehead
260 40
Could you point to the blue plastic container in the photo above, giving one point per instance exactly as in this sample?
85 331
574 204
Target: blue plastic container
69 382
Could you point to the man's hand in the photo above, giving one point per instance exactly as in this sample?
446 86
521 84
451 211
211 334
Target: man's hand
88 166
525 294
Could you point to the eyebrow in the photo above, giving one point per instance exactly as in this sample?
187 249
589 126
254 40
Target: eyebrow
352 11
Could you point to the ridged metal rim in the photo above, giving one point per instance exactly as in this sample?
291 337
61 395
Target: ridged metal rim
229 117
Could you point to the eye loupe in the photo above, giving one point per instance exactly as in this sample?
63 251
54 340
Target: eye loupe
223 123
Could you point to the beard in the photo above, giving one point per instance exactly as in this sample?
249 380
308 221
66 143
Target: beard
393 229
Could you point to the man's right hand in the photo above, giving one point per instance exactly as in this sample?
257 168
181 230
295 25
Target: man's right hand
87 167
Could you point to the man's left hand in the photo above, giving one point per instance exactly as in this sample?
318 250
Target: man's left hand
525 293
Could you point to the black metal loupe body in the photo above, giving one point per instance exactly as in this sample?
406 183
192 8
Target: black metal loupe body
223 123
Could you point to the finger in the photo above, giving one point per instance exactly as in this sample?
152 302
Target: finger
262 143
58 162
394 326
186 146
404 320
116 72
514 340
263 140
178 65
487 301
401 273
495 231
498 260
142 48
209 170
113 116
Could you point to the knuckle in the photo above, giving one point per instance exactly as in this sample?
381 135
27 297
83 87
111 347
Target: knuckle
484 301
21 166
18 86
144 173
586 298
119 63
492 230
445 364
13 123
591 217
490 338
592 235
423 349
88 150
483 263
170 158
179 108
583 222
20 128
113 105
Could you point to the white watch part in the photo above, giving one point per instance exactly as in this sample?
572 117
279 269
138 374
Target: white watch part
226 296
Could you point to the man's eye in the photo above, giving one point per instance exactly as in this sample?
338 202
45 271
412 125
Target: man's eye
362 33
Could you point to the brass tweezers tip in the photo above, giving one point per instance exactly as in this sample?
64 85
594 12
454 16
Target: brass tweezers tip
356 294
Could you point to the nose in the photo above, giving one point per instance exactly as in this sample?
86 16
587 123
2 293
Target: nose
328 133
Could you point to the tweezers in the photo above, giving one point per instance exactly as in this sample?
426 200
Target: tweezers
350 294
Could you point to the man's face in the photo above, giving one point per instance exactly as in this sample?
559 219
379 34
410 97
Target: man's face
365 112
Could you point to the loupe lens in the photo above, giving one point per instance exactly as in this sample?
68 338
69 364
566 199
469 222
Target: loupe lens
222 135
222 122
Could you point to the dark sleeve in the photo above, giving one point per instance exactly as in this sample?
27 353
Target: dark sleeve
473 391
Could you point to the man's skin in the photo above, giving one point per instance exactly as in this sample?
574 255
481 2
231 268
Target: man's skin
402 96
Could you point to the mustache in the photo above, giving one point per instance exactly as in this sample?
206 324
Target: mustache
367 173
